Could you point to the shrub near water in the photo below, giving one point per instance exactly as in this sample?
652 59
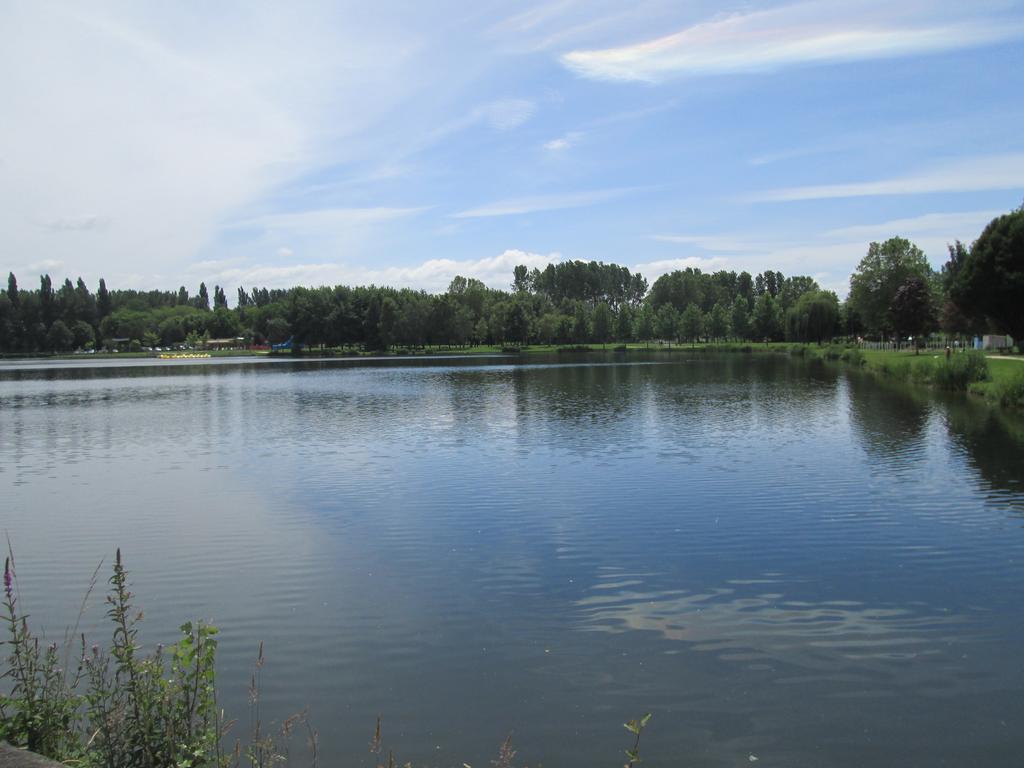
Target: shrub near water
1010 394
958 372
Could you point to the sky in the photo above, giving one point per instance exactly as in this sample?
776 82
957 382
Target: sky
402 143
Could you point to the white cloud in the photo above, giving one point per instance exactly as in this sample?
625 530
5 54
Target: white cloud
652 270
542 203
974 174
563 142
801 33
432 275
135 131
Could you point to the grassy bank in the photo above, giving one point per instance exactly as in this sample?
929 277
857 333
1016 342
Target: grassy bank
998 380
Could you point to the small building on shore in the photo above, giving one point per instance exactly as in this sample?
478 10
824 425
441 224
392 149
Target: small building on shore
235 343
993 341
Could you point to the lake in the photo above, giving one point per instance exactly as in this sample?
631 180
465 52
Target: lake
779 559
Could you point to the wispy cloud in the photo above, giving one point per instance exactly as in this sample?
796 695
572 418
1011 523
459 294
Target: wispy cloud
86 223
724 243
431 275
327 218
522 205
951 226
803 33
973 174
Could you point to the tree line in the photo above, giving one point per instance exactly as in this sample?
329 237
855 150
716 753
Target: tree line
893 292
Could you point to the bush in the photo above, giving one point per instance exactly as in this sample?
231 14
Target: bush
958 372
853 356
1010 394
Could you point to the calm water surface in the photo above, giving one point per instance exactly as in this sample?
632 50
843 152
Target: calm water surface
777 559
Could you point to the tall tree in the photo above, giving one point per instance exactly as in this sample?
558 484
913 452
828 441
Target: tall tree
520 278
739 317
47 300
624 324
104 305
202 301
645 323
879 275
717 324
990 281
12 290
765 321
602 323
911 310
667 322
691 323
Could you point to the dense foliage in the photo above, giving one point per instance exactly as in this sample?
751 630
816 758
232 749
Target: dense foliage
989 279
567 303
878 277
893 292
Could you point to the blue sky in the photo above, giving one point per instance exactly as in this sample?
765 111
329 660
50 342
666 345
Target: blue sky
403 143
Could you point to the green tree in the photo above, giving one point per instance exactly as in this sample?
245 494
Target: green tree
60 338
879 275
84 336
202 301
739 317
667 323
580 326
388 318
602 323
47 300
645 324
278 330
814 317
517 326
480 331
624 324
717 322
911 310
765 319
691 323
12 290
990 281
520 278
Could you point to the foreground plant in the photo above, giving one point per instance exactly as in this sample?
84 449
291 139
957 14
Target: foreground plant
124 709
121 708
